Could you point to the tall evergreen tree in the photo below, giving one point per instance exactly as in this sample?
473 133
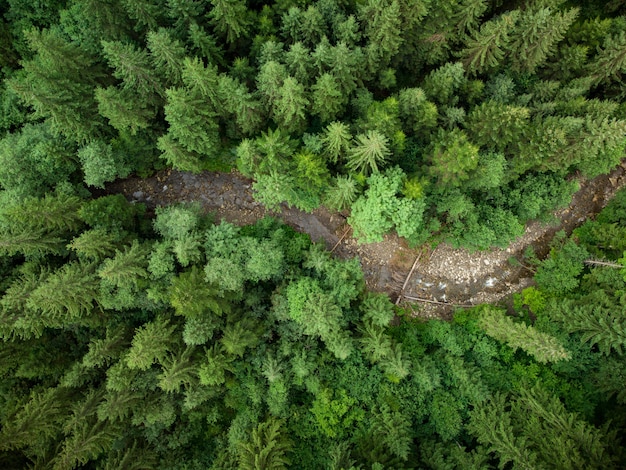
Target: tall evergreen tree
536 36
486 49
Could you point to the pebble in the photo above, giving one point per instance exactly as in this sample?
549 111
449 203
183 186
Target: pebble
165 188
138 195
490 282
486 261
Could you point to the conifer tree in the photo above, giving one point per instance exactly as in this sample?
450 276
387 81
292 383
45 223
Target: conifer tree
270 80
395 365
134 68
104 351
127 266
419 114
35 423
327 99
347 65
266 449
151 343
536 36
66 295
124 109
543 347
237 337
486 49
299 62
375 343
213 371
101 163
238 101
177 155
336 140
192 122
86 443
370 151
394 429
453 157
58 82
146 13
341 194
167 54
192 296
206 44
230 18
497 126
54 213
596 325
94 245
382 29
610 63
30 243
290 105
178 370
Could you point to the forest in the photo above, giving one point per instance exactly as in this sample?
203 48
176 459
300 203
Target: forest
133 338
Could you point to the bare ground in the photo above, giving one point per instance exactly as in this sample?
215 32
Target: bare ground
442 278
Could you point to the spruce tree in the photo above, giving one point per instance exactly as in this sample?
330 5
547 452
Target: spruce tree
327 99
610 63
289 108
536 36
230 18
266 449
486 49
368 152
134 68
543 347
151 343
167 54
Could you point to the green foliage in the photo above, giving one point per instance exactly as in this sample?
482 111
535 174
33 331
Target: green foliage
133 341
266 449
552 435
101 164
150 344
380 209
368 152
542 346
33 161
558 273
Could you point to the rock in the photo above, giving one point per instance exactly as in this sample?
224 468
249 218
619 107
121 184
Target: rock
165 188
138 195
486 261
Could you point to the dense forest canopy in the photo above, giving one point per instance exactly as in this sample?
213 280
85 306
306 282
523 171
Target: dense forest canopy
132 339
453 119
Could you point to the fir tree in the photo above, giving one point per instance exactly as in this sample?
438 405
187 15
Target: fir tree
125 110
266 448
537 35
610 63
167 54
151 343
58 82
127 267
66 295
336 140
230 18
486 49
327 98
178 370
543 347
134 68
289 107
369 151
